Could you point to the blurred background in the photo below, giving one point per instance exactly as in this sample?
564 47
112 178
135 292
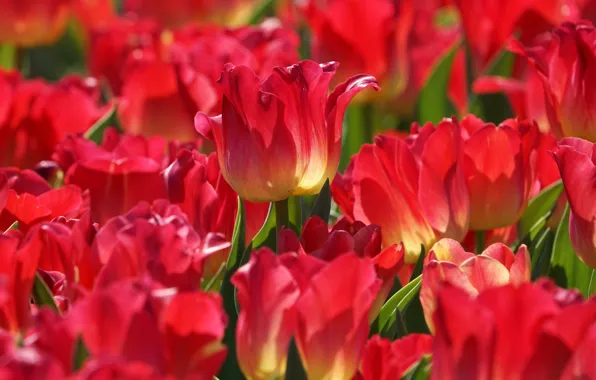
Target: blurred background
160 60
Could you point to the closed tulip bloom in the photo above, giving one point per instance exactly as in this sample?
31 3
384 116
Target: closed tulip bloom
33 22
333 321
566 64
499 166
383 359
288 116
575 158
513 333
267 293
448 262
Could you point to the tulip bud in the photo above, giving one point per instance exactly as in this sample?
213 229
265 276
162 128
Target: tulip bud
575 158
565 63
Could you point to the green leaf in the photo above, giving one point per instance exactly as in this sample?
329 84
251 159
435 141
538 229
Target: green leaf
399 301
8 54
541 250
42 296
52 62
263 10
294 369
231 369
322 205
264 238
567 269
13 226
539 210
295 214
494 107
95 133
420 370
357 130
419 264
433 103
81 354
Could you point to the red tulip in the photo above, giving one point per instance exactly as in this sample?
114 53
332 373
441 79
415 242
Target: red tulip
386 360
194 182
110 47
155 240
118 369
266 119
267 293
27 363
564 62
176 334
576 164
35 116
448 262
95 14
178 12
398 42
17 272
119 174
344 238
30 23
189 62
29 200
52 243
413 189
489 24
508 333
54 337
333 317
499 169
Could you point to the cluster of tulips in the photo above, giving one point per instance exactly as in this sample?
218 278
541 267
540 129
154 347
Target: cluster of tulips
316 189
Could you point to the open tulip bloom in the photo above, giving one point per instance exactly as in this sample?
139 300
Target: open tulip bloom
210 189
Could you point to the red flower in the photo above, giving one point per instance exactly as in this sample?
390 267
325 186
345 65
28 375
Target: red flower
333 317
509 333
489 24
398 42
122 172
386 360
266 119
267 293
575 159
189 62
30 23
35 116
412 188
176 334
29 199
344 238
448 262
195 183
17 272
499 170
565 63
155 240
178 12
93 14
110 47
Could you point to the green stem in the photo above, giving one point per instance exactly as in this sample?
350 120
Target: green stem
282 218
480 241
8 56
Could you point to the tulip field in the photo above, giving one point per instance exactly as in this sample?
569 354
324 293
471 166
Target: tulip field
298 189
